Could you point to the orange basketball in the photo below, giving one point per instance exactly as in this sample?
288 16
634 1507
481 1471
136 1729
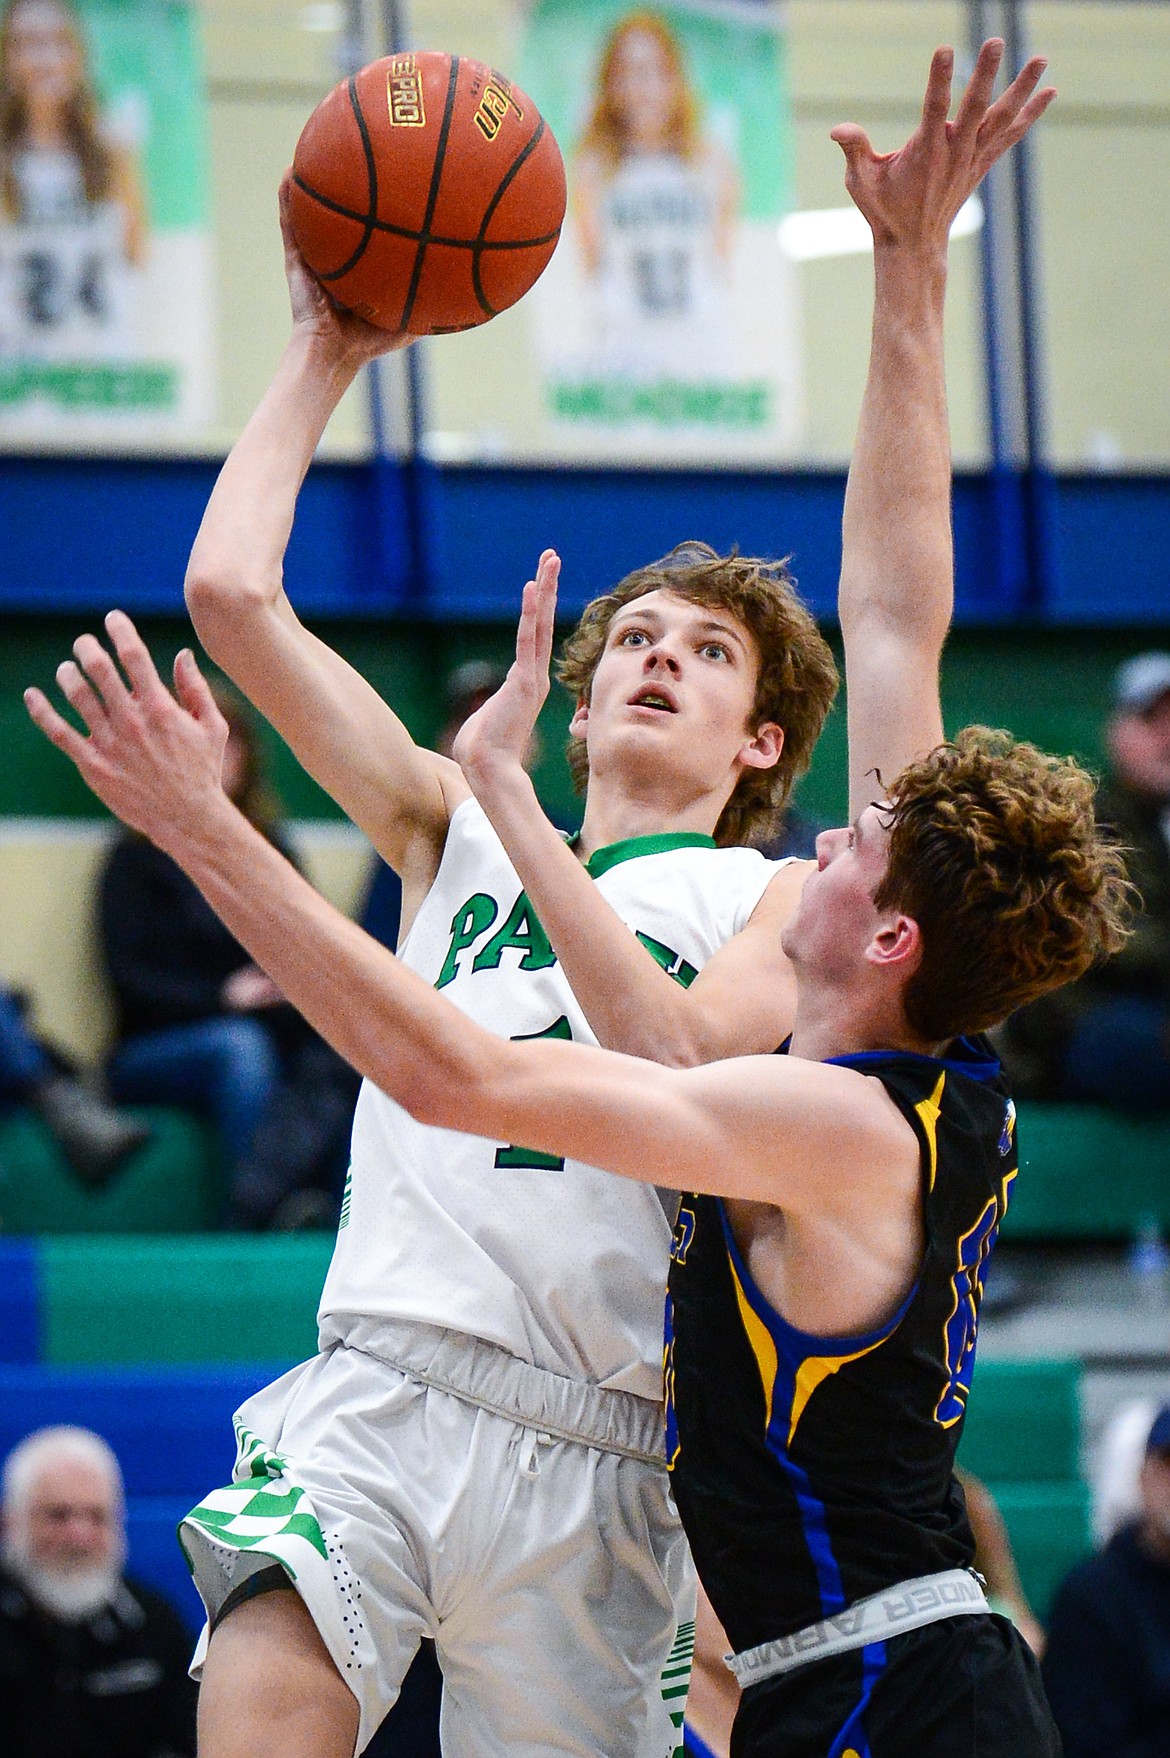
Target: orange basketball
428 193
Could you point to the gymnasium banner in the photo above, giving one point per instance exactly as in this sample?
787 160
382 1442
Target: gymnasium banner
105 252
665 326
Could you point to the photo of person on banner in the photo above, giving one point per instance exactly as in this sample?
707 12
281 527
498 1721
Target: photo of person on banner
68 189
655 203
668 314
106 309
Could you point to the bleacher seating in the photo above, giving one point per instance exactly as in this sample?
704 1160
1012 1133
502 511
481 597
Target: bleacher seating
170 1185
1022 1436
1088 1173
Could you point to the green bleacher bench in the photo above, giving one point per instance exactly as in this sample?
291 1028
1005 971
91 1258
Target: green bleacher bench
172 1184
230 1297
1021 1436
1087 1172
1023 1422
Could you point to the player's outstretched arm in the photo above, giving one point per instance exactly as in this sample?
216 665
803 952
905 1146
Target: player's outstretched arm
774 1129
338 726
897 565
742 1001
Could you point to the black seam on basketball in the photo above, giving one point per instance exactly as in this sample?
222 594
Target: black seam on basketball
336 207
529 147
433 196
371 187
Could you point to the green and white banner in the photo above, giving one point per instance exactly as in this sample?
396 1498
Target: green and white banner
665 326
106 293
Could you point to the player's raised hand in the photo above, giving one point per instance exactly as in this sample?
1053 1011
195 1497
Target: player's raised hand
154 759
351 337
911 197
499 734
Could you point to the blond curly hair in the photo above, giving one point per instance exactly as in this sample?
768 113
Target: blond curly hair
995 852
797 678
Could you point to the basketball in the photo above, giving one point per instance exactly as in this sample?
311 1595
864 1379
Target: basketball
427 193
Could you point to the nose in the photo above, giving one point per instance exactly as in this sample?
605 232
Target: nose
827 845
661 656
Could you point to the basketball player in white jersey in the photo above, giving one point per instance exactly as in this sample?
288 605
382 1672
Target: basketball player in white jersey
452 1467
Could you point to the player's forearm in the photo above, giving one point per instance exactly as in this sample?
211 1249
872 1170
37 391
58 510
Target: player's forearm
896 539
237 559
630 1002
381 1017
391 1025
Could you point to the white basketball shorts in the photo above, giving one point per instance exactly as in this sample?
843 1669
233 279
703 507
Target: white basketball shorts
520 1519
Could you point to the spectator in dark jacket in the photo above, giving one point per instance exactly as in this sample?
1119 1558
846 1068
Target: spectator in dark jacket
200 1025
1107 1664
91 1665
1107 1037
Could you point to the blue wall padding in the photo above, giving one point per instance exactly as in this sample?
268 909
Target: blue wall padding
171 1430
20 1301
81 533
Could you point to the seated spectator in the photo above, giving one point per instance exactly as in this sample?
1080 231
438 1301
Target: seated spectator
1107 1037
199 1025
1107 1665
91 1664
94 1137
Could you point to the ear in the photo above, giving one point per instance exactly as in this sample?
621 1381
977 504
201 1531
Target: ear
580 720
897 946
762 750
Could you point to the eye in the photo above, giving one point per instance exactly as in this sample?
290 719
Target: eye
715 650
632 638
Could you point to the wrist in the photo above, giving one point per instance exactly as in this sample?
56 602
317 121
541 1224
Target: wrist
498 774
325 360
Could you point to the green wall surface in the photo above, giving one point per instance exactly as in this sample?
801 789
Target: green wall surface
1049 686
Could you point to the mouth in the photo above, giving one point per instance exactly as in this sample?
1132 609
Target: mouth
653 697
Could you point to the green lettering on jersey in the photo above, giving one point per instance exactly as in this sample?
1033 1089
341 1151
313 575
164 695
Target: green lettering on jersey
467 924
672 962
509 1159
522 931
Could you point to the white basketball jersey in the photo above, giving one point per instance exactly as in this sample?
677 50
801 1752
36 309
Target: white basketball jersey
560 1264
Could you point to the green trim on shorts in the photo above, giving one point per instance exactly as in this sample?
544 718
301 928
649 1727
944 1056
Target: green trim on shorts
676 1679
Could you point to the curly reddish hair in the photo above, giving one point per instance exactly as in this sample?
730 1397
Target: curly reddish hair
797 678
995 852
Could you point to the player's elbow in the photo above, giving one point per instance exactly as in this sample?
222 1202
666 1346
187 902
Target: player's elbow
218 598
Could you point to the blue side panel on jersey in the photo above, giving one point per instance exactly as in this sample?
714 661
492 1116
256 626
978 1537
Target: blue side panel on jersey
171 1430
20 1301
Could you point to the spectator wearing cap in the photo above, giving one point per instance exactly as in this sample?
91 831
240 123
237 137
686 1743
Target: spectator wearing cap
1107 1665
92 1665
1106 1038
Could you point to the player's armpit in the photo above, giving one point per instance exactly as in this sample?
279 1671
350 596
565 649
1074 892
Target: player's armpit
743 1001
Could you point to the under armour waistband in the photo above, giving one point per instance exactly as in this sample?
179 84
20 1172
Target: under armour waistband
483 1374
911 1605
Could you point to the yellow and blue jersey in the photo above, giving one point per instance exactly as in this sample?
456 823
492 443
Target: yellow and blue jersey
812 1471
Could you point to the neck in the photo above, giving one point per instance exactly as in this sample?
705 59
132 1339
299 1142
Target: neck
834 1023
613 815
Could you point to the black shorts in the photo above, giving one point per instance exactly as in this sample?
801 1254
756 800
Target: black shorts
964 1688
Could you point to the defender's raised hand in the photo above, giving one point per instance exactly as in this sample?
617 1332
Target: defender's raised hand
911 197
498 735
155 761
